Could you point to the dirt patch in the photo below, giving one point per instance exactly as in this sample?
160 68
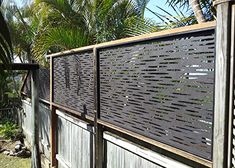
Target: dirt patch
7 144
7 161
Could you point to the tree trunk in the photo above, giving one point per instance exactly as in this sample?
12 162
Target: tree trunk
197 10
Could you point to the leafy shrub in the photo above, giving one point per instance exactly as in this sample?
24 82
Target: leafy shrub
8 130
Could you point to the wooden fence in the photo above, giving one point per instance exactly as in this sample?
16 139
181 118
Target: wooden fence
158 88
170 91
44 127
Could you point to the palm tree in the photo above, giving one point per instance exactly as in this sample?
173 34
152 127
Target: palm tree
70 24
170 21
197 10
48 26
5 41
203 9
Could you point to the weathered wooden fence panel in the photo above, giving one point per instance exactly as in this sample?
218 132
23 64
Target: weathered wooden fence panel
121 153
75 142
44 125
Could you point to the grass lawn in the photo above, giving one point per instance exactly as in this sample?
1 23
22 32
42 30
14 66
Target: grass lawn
14 162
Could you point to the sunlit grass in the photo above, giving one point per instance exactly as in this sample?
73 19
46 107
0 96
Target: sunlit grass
14 162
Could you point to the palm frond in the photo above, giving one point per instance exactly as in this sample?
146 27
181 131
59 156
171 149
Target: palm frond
5 41
57 39
172 21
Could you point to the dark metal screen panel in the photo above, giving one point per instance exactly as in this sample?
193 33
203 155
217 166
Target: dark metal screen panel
73 82
44 84
233 135
162 89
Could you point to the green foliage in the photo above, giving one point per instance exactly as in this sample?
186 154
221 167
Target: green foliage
71 24
48 26
9 89
170 21
5 41
8 130
206 5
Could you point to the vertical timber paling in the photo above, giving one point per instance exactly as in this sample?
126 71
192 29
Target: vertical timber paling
98 128
36 161
223 84
53 120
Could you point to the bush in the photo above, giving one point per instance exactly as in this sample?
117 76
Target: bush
8 130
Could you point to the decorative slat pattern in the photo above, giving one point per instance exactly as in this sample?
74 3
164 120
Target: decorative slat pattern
233 135
73 82
162 89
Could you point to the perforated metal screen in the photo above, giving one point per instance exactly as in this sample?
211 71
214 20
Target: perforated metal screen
233 136
73 82
162 89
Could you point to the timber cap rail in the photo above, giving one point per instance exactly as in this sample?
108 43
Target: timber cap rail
102 119
163 33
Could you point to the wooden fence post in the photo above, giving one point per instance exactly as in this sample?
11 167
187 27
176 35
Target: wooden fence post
53 134
99 155
223 85
36 158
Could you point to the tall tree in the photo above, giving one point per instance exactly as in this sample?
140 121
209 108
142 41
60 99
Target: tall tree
48 26
69 24
197 10
5 41
203 9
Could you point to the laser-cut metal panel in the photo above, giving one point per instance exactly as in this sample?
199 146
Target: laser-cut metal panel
73 82
162 89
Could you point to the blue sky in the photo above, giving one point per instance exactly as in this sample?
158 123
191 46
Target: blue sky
151 5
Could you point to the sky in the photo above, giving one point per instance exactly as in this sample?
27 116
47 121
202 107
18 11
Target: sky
152 5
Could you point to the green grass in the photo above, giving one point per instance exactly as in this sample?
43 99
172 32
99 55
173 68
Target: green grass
14 162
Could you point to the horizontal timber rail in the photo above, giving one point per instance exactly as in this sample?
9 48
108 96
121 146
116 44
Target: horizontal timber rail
40 99
74 112
160 34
